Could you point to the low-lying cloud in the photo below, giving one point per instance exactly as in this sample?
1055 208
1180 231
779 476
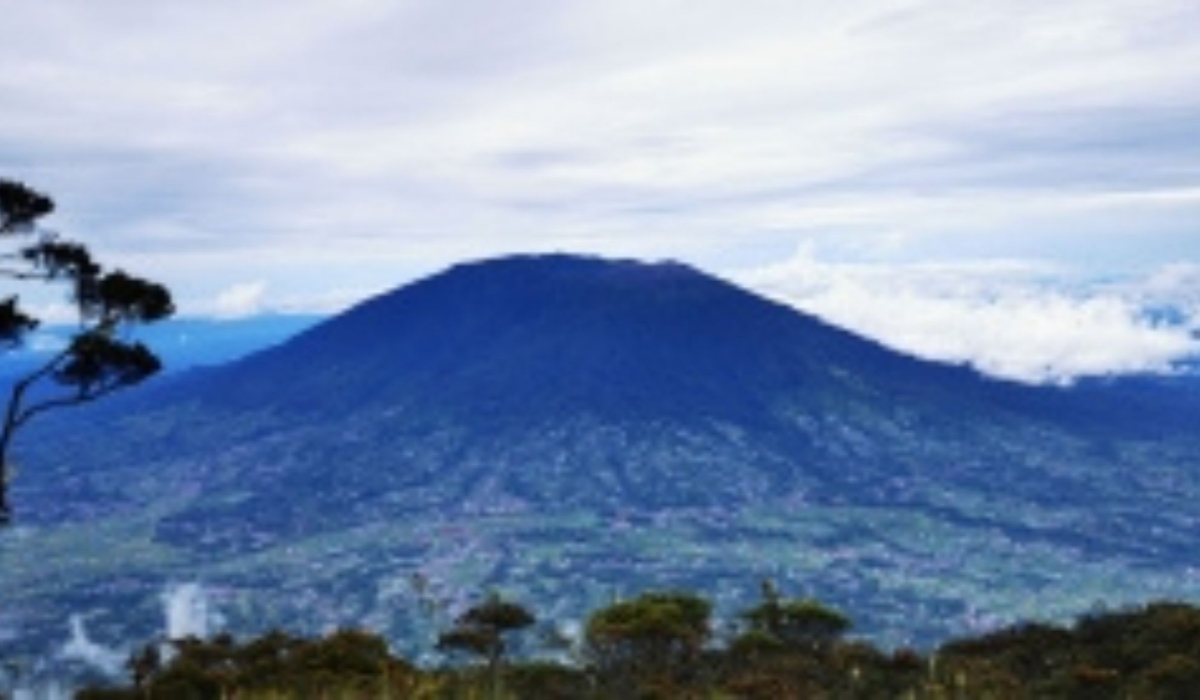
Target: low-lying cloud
81 647
187 611
1014 320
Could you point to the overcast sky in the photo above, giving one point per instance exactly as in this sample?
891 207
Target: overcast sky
1008 183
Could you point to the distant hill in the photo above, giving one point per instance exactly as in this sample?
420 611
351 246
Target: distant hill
182 343
185 343
565 427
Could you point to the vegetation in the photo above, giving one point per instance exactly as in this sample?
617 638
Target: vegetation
793 624
481 631
98 359
655 640
661 645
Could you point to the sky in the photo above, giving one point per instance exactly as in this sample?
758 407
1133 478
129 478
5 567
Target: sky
1012 184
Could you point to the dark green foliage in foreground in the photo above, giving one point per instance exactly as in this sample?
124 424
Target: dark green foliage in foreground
659 645
481 631
272 666
655 639
801 624
1153 652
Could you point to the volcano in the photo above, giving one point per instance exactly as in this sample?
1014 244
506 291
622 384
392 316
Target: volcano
566 426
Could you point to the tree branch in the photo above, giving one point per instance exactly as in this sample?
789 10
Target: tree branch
13 420
19 389
64 401
97 362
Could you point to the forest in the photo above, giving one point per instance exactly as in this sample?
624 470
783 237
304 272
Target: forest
666 644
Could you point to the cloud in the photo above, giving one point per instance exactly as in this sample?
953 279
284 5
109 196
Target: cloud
240 300
80 647
358 144
187 612
1015 320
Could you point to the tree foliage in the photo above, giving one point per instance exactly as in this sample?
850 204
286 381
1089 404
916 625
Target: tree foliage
655 638
658 645
801 623
482 631
346 663
99 358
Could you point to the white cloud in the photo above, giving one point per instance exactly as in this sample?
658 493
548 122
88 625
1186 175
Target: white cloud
240 300
188 612
80 647
1008 319
410 135
1176 285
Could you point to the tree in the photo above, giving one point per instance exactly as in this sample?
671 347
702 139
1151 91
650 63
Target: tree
346 659
98 359
795 624
143 665
481 631
652 640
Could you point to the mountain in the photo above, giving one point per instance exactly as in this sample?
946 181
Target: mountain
567 427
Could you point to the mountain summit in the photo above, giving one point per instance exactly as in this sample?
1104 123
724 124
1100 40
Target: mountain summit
533 337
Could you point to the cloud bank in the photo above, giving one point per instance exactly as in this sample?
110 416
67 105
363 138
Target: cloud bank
349 145
1014 320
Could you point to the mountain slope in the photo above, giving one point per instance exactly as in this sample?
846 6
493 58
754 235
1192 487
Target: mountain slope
647 385
555 424
589 334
